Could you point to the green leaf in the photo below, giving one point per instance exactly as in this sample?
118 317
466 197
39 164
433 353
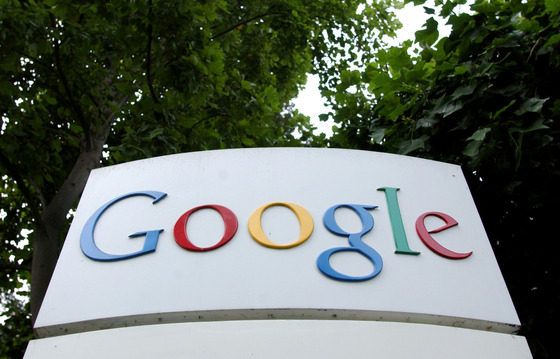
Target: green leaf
552 6
463 91
472 149
378 134
248 142
155 133
246 85
429 10
123 87
429 35
407 146
534 126
553 39
530 105
50 100
446 107
459 70
508 42
480 134
56 145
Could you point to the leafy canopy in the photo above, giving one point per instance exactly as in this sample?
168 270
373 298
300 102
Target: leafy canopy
486 98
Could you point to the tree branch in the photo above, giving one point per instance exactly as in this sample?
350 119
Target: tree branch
241 24
15 266
34 59
40 193
73 104
110 117
533 49
149 56
202 120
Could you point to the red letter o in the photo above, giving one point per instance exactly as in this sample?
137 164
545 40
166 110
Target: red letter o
180 229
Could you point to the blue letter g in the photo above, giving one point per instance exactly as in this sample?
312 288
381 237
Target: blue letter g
90 249
355 241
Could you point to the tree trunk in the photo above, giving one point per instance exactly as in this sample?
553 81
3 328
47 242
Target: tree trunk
48 232
45 254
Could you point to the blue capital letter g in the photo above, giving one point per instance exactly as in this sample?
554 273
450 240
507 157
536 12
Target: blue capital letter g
90 249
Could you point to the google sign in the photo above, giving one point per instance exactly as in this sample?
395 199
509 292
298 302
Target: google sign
305 219
276 233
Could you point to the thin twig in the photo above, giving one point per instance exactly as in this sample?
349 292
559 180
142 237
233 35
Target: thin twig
533 49
241 24
149 56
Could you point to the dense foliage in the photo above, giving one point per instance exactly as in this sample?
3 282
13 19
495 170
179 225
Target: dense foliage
85 83
485 97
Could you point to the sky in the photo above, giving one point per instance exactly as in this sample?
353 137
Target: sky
309 100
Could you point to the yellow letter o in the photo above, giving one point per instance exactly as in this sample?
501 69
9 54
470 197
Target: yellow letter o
304 218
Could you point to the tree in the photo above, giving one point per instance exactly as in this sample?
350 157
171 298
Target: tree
486 98
16 330
85 83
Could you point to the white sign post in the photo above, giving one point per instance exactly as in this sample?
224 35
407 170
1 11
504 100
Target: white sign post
316 239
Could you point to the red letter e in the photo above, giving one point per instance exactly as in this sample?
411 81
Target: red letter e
431 243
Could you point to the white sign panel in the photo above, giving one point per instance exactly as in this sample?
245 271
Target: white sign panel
270 339
276 233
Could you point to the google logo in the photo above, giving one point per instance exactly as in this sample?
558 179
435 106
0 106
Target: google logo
90 249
